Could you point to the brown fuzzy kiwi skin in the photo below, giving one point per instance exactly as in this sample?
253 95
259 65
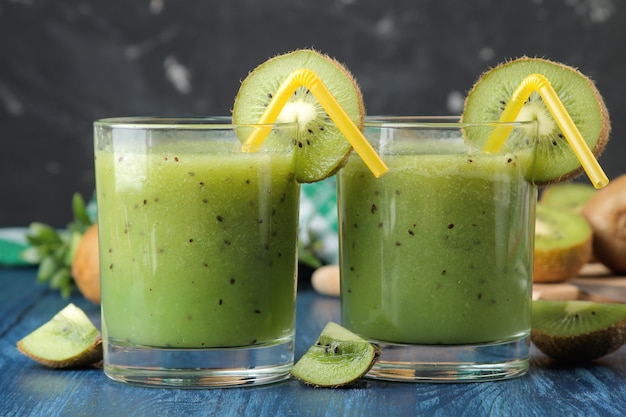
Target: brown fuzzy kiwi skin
606 213
606 122
90 357
581 348
86 265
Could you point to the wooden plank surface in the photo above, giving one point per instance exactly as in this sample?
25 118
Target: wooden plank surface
593 273
27 389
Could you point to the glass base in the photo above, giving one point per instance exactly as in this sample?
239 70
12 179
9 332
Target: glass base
198 368
451 363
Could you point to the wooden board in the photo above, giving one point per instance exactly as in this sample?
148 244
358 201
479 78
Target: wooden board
595 273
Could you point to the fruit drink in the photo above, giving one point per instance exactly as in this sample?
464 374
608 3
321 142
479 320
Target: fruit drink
198 243
439 249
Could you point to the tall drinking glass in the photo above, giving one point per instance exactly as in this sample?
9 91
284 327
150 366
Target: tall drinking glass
436 255
197 250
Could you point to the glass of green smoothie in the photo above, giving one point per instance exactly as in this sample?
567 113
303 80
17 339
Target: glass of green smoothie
436 255
197 251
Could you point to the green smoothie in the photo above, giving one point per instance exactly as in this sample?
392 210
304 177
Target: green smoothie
197 243
439 249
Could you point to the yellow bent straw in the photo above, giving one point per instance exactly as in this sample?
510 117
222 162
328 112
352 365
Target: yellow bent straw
540 84
307 78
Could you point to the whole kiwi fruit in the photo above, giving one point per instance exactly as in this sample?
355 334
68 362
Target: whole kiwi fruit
606 213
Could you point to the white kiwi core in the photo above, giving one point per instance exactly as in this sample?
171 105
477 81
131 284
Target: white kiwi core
536 112
298 111
543 230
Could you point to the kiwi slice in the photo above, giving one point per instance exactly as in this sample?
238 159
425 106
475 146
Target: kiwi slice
321 149
337 358
554 160
68 340
562 244
606 212
571 196
578 331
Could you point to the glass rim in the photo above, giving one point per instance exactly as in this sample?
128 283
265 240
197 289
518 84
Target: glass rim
181 123
225 122
449 122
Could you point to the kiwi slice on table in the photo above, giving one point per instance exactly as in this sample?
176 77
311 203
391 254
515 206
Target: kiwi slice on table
571 196
606 212
562 244
554 160
321 149
578 331
337 358
68 340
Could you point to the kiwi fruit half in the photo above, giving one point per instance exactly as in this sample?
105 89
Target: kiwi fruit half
68 340
606 213
571 196
562 244
554 160
321 149
577 331
337 358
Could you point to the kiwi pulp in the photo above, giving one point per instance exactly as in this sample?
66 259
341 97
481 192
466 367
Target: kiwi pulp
577 331
337 358
571 196
562 244
321 149
554 160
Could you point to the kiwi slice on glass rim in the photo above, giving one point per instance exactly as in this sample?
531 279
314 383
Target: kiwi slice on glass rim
578 331
321 149
554 160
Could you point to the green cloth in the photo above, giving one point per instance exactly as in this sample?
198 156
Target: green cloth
12 243
318 229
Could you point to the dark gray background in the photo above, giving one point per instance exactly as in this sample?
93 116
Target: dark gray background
64 63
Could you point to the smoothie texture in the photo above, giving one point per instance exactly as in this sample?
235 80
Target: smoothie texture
197 244
439 249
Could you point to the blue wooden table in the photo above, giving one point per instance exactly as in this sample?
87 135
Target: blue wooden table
28 389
